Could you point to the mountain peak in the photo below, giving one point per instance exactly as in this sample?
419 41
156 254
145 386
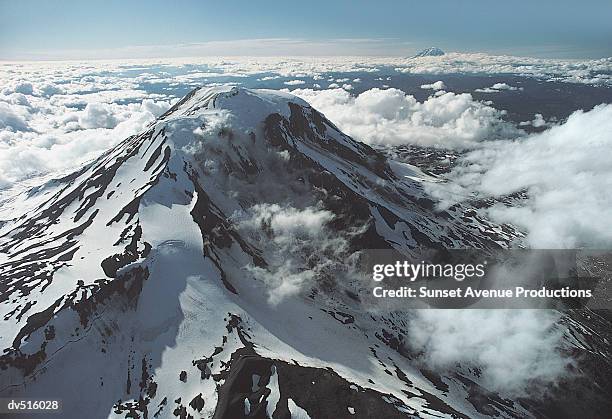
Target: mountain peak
430 52
198 224
248 106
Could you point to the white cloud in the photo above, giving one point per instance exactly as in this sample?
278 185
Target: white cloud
538 121
565 171
288 236
294 82
389 116
439 85
80 73
42 131
337 55
4 183
515 349
13 117
503 86
287 222
497 87
97 115
586 71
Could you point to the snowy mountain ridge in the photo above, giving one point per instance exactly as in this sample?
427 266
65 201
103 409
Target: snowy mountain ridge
430 52
179 265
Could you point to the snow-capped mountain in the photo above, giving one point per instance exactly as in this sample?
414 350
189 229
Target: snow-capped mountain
201 269
430 52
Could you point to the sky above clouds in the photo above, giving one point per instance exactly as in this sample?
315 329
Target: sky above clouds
71 29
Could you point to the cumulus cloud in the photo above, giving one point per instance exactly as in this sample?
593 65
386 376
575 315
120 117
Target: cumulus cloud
497 87
537 122
515 350
503 86
294 82
97 115
439 85
289 223
565 173
18 86
55 116
39 134
13 117
298 246
391 117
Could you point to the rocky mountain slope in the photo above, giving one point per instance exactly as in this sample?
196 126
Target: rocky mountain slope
203 268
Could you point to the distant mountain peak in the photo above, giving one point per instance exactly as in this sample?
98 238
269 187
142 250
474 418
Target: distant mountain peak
430 52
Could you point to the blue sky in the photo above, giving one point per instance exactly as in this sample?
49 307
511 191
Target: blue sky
118 29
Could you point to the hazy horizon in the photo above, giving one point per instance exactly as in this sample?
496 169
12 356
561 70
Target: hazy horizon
72 30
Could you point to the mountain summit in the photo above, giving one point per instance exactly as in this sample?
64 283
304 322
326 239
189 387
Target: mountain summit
430 52
202 269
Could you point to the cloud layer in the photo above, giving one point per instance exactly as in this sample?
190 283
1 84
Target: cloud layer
391 117
55 121
515 350
565 172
